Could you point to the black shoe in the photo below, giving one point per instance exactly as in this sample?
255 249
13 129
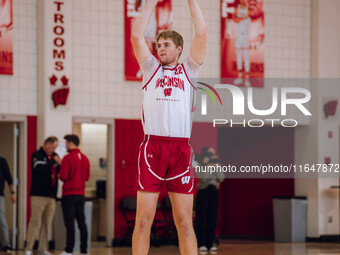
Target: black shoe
7 249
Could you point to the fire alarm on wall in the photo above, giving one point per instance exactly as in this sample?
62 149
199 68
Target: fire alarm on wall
330 134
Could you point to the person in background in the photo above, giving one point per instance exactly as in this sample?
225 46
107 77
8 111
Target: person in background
5 175
44 185
74 172
207 201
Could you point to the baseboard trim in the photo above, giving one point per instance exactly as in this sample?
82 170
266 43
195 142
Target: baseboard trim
257 238
324 239
321 239
101 238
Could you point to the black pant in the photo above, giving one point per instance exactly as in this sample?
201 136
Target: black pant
73 208
206 215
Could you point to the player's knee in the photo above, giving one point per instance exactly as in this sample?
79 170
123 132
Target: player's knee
185 226
143 223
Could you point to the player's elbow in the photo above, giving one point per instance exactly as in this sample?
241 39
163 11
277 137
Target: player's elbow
136 35
202 31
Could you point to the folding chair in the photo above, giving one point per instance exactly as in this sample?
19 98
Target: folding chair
129 207
170 233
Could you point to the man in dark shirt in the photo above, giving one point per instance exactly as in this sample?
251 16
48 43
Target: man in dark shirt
5 175
44 184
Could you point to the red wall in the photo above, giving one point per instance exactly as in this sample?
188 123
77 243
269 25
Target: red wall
31 147
128 137
246 208
203 135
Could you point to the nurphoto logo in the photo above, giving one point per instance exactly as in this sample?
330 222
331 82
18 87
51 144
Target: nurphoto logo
280 98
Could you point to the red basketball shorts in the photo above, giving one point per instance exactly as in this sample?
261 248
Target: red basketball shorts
165 160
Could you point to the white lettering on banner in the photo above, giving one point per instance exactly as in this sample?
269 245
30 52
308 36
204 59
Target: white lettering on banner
131 9
226 9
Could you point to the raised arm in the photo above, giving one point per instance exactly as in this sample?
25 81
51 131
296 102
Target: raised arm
140 48
199 43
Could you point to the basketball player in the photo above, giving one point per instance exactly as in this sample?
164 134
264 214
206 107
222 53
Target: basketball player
168 106
242 19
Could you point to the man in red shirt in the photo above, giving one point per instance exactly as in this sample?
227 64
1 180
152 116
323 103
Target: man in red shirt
74 172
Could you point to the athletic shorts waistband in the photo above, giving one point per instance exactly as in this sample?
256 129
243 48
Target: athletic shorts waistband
167 138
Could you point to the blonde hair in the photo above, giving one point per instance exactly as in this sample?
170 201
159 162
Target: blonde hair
173 35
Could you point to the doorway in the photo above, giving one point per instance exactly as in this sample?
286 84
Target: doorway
13 149
96 142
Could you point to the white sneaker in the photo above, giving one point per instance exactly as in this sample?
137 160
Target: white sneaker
28 253
202 249
213 249
65 253
46 253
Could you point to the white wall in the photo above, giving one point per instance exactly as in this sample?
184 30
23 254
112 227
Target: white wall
312 142
18 93
98 86
287 36
98 62
329 147
328 63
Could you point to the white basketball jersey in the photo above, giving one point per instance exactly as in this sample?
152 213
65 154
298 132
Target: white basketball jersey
169 101
243 25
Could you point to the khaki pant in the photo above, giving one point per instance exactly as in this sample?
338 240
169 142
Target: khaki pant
4 238
42 213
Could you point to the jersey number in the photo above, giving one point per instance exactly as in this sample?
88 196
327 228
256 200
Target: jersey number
178 71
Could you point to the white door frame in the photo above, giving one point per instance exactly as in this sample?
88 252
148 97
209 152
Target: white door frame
22 176
110 173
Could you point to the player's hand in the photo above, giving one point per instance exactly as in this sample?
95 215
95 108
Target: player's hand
57 159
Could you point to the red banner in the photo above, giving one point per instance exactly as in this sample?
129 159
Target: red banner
242 41
6 37
161 19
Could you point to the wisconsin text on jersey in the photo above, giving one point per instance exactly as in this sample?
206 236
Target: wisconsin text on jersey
168 81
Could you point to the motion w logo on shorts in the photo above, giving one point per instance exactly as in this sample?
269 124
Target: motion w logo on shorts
185 179
167 92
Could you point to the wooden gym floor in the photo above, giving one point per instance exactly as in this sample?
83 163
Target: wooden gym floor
230 248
